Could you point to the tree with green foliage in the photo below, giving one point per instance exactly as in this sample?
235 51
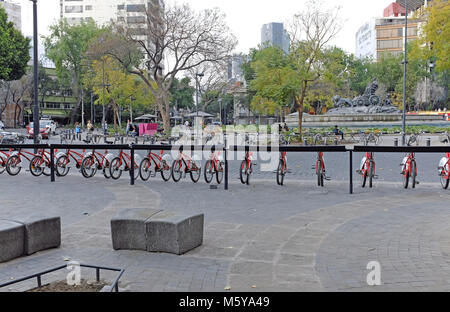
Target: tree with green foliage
122 90
66 46
182 93
14 50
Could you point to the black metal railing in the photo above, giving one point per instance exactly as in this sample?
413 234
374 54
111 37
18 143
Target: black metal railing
229 148
114 286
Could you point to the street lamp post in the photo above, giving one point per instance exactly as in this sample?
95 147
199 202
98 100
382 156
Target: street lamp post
197 89
103 97
405 62
35 75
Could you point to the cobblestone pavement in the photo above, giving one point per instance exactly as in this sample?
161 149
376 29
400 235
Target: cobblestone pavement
257 238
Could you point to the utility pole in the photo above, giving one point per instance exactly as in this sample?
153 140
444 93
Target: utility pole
36 127
103 98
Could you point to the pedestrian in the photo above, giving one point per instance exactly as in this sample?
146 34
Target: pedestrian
336 131
90 127
77 128
105 128
128 126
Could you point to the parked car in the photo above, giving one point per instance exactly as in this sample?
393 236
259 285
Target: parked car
44 129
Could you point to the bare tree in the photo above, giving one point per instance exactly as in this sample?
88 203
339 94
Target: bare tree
13 93
310 32
212 81
174 39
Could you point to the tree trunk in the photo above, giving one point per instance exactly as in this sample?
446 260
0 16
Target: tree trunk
300 109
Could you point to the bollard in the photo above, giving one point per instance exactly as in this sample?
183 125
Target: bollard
396 142
335 142
428 142
306 142
121 140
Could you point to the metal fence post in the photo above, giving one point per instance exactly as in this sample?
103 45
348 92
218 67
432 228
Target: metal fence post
132 165
351 172
52 164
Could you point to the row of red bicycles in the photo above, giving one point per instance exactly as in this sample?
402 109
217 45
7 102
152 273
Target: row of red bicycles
366 170
112 166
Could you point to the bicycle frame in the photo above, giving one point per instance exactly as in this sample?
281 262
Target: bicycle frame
100 158
365 166
320 158
156 159
248 160
407 165
215 160
71 154
283 160
445 173
182 156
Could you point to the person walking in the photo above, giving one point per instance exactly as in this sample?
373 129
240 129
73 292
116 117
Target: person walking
128 127
90 127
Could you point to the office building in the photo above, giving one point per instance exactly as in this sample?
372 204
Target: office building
274 34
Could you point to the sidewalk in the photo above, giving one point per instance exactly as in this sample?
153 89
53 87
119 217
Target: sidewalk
257 238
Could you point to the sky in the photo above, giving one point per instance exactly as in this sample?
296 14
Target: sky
244 17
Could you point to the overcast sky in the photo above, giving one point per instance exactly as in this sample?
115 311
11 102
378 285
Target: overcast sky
245 17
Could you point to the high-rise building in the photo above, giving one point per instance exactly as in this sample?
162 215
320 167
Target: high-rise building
14 12
235 72
386 35
274 34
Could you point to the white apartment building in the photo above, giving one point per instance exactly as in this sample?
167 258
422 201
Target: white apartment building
14 12
105 11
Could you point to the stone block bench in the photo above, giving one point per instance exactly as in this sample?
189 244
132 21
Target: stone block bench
156 231
27 235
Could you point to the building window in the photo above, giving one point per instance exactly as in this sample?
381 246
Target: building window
88 8
121 7
389 44
136 8
135 19
74 9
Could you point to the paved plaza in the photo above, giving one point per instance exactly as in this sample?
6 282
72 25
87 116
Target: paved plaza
260 237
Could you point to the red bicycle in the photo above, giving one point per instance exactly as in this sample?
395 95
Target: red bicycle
444 171
64 162
185 164
409 170
320 169
214 166
246 168
282 168
367 169
38 163
93 161
3 158
153 164
123 163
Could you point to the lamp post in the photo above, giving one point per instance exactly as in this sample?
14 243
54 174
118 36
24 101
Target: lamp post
35 75
197 89
405 62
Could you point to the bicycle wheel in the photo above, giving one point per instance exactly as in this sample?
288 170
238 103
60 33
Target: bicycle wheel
36 164
405 177
177 170
319 173
371 173
61 166
243 172
145 169
413 174
445 176
364 172
219 172
196 171
280 173
114 168
106 171
2 165
12 165
166 171
209 171
249 172
89 167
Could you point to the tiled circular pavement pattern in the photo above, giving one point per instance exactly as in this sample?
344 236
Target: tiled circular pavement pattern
257 238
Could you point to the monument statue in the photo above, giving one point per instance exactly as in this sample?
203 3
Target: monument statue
368 103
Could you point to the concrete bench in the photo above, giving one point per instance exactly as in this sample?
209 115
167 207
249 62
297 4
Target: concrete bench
156 231
12 238
37 233
128 228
